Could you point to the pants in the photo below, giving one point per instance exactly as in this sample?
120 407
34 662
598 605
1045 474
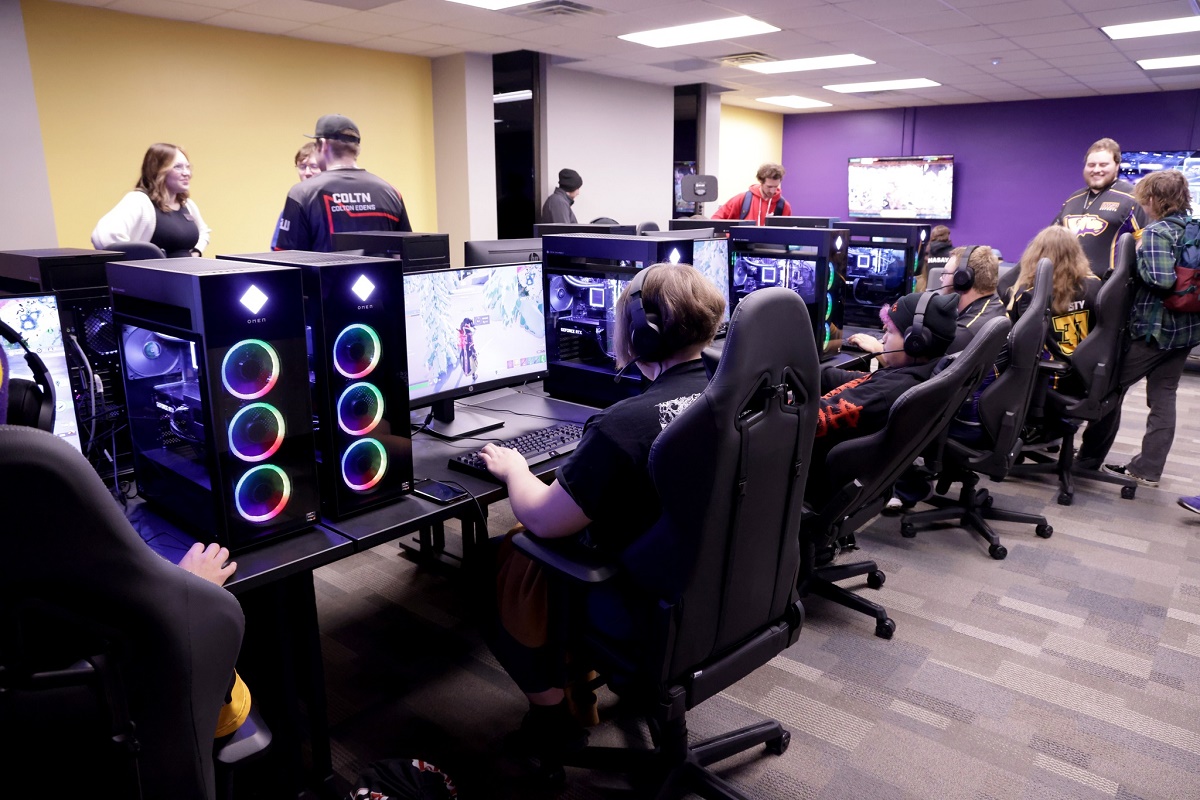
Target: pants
1162 370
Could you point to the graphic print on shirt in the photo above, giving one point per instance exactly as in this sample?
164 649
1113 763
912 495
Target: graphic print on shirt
669 410
843 414
1081 224
1070 327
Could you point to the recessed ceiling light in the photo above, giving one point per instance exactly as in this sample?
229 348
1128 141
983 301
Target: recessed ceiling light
492 5
1159 27
882 86
1169 63
513 97
804 64
712 31
794 101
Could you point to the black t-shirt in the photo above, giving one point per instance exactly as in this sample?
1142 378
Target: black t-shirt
338 201
1068 328
607 475
937 256
1098 219
175 232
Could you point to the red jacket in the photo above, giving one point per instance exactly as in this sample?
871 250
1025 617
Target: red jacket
759 209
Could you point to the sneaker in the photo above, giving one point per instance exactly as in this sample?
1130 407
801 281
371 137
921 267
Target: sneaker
894 506
1191 503
1123 471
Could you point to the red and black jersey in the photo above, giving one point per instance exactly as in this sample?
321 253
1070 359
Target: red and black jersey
338 201
1098 219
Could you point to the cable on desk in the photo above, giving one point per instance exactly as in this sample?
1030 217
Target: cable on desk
526 414
474 499
423 425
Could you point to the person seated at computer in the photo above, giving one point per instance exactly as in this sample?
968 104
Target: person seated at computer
159 210
557 207
936 253
1073 295
761 200
603 496
856 403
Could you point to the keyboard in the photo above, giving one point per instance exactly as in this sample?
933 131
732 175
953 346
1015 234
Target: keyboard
537 446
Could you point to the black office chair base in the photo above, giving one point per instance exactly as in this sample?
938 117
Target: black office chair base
680 770
973 508
822 582
1067 470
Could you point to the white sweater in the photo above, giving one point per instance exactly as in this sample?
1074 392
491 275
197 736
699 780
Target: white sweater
132 220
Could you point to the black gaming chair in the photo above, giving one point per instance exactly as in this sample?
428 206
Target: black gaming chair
714 581
137 251
1002 409
642 227
862 471
114 663
1096 363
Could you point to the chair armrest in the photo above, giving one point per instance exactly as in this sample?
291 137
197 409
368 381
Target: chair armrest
843 503
567 557
1054 367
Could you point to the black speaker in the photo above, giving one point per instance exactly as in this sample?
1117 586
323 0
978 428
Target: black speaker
354 310
215 371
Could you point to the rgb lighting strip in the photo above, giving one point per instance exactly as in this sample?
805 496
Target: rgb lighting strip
364 464
244 373
356 351
359 408
262 493
252 429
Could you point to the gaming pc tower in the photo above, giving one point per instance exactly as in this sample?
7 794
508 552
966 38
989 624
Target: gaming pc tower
804 222
413 250
720 226
354 312
809 261
77 279
584 275
216 381
881 262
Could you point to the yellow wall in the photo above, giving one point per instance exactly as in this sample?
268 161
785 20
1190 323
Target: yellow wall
749 139
109 84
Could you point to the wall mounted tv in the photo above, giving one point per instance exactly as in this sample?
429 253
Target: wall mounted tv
901 187
1140 163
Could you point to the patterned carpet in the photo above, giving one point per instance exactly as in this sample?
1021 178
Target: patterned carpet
1069 670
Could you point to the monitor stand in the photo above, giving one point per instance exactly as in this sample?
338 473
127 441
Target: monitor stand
454 423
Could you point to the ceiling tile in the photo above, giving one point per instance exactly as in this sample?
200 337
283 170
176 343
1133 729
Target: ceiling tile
323 33
378 24
1035 26
299 10
253 22
445 35
187 12
394 44
1020 10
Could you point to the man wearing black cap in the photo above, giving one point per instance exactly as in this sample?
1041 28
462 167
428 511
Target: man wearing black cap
557 207
858 403
342 198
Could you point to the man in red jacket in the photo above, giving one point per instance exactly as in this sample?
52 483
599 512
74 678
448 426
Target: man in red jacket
760 201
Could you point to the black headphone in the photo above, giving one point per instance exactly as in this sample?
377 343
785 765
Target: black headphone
964 276
646 338
30 402
918 340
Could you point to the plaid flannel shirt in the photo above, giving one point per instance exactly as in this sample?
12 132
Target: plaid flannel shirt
1149 320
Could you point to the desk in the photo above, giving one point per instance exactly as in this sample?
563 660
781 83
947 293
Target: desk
522 411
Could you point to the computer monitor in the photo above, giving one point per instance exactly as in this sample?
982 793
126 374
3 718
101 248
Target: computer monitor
719 226
547 228
34 317
470 331
711 257
502 251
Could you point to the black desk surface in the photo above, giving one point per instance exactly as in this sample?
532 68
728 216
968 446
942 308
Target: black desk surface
522 410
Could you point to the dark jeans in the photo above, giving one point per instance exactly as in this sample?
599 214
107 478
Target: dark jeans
1162 370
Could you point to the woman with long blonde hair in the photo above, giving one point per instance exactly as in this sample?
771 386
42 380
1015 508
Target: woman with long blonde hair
1073 295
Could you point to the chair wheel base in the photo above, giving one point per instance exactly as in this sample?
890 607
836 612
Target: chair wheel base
1127 492
998 552
908 530
1065 499
1044 531
875 579
884 628
779 745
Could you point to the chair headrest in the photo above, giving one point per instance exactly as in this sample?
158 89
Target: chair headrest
770 328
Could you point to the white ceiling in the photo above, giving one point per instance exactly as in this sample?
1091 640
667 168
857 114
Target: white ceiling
1041 48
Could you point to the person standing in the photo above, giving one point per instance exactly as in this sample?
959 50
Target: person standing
344 197
1161 338
761 200
557 207
1104 209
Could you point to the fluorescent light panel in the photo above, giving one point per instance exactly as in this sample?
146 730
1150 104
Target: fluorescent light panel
882 86
712 31
794 101
1174 62
513 97
1159 27
805 64
492 5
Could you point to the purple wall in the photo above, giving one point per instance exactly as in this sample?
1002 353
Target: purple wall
1015 163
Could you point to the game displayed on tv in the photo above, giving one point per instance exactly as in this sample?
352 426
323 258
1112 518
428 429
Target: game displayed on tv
908 187
473 326
1140 163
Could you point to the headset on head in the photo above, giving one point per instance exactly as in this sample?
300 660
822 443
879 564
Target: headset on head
964 276
30 402
646 338
918 339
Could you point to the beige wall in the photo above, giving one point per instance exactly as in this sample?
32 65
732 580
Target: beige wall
749 138
109 84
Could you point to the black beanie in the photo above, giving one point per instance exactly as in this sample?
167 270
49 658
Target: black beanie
569 180
941 318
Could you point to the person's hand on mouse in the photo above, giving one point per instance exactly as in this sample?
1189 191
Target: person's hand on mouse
209 563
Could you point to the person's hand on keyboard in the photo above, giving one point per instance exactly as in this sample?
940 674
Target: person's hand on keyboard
866 342
502 461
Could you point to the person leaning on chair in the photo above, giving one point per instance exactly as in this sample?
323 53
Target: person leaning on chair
603 496
1160 338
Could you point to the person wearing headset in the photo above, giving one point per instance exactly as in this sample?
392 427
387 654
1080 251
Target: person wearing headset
603 495
917 331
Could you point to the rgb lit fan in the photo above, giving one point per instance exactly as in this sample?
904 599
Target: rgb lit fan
359 409
828 306
262 493
356 351
363 464
255 432
250 369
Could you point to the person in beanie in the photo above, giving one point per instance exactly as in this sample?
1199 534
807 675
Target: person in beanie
344 197
557 207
